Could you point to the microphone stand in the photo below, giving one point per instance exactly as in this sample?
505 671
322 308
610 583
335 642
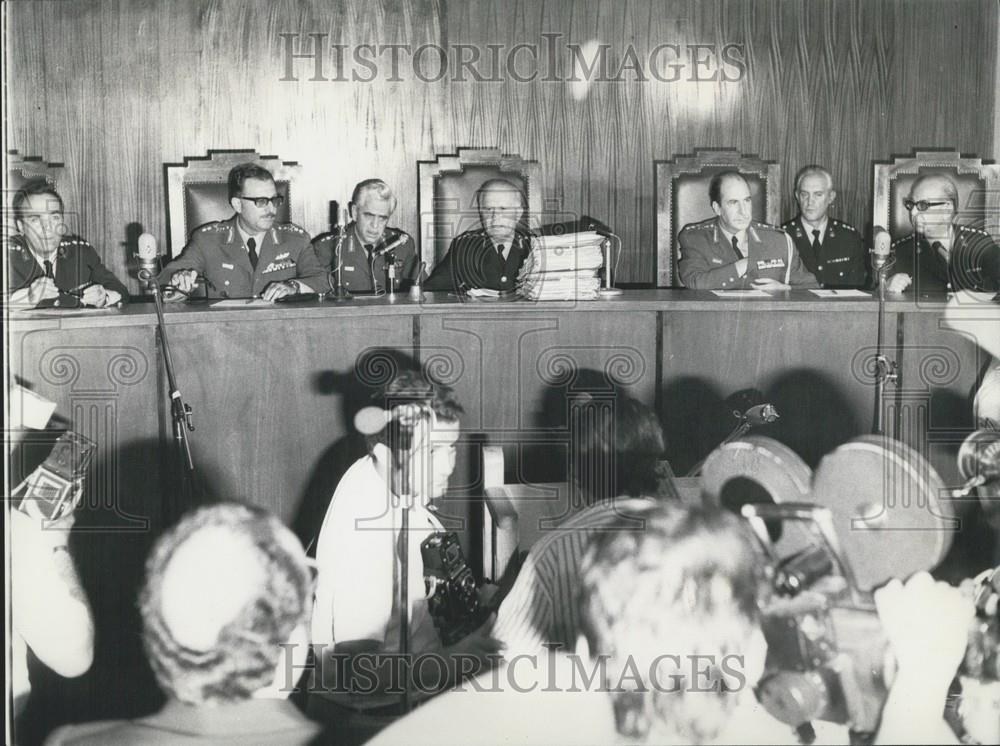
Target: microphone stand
337 290
886 369
745 424
181 412
609 290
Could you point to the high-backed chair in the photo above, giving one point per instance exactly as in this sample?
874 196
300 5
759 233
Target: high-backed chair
198 193
515 516
978 185
681 186
446 202
20 170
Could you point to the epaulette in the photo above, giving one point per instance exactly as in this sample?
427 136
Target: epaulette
219 225
842 224
970 229
73 241
768 226
904 239
291 228
327 237
710 223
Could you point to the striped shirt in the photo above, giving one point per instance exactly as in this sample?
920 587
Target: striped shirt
542 605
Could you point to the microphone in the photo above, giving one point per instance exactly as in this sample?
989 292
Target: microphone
762 414
881 250
979 460
148 257
341 218
402 238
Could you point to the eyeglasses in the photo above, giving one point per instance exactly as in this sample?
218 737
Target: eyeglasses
262 202
923 205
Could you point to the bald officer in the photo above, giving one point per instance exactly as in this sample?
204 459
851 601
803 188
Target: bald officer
940 255
249 255
830 249
731 251
489 257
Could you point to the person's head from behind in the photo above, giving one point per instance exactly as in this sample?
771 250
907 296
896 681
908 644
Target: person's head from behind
422 434
685 584
933 205
501 208
617 446
372 204
226 589
38 216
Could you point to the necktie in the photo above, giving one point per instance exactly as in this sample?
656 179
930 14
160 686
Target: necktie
48 270
736 248
815 243
500 255
252 252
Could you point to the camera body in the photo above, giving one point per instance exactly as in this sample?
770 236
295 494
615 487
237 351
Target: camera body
451 587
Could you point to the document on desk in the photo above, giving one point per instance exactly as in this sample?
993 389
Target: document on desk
848 293
243 303
748 293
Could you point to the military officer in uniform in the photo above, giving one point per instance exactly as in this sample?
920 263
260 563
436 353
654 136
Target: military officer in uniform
941 255
489 257
248 255
832 250
47 268
731 251
364 266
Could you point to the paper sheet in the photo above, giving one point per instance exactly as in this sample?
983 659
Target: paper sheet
848 293
751 293
243 303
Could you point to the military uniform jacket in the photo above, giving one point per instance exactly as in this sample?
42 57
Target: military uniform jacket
972 264
360 273
77 263
216 251
841 262
472 261
708 259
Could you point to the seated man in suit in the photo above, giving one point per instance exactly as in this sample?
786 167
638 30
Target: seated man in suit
731 251
365 269
249 255
830 249
489 257
46 267
225 614
941 255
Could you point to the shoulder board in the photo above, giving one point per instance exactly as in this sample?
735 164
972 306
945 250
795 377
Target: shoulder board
788 224
73 241
474 233
904 239
970 229
703 225
768 226
841 224
327 237
211 227
291 228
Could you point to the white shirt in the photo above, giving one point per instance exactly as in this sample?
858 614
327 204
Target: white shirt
741 239
257 237
356 554
810 228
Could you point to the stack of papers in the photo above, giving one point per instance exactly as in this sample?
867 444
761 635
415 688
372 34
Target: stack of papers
562 267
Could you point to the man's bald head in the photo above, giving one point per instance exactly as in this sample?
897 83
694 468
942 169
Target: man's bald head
501 207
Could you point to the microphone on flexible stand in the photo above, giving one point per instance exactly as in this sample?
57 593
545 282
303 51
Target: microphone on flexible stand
400 239
885 368
881 253
761 414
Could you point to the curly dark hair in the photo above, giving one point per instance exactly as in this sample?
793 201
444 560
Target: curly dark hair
231 648
684 584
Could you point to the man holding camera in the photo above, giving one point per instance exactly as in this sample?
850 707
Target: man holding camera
411 455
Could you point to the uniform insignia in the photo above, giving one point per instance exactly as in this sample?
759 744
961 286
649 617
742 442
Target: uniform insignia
227 265
281 256
278 266
291 228
348 269
210 227
771 264
716 261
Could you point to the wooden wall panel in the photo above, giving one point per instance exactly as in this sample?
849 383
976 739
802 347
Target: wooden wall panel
115 88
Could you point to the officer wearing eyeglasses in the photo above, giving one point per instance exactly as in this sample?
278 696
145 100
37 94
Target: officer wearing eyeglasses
249 255
941 255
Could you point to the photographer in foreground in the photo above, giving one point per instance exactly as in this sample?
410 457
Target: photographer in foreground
672 610
356 621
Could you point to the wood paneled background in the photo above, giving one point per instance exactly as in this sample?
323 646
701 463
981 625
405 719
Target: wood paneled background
116 88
